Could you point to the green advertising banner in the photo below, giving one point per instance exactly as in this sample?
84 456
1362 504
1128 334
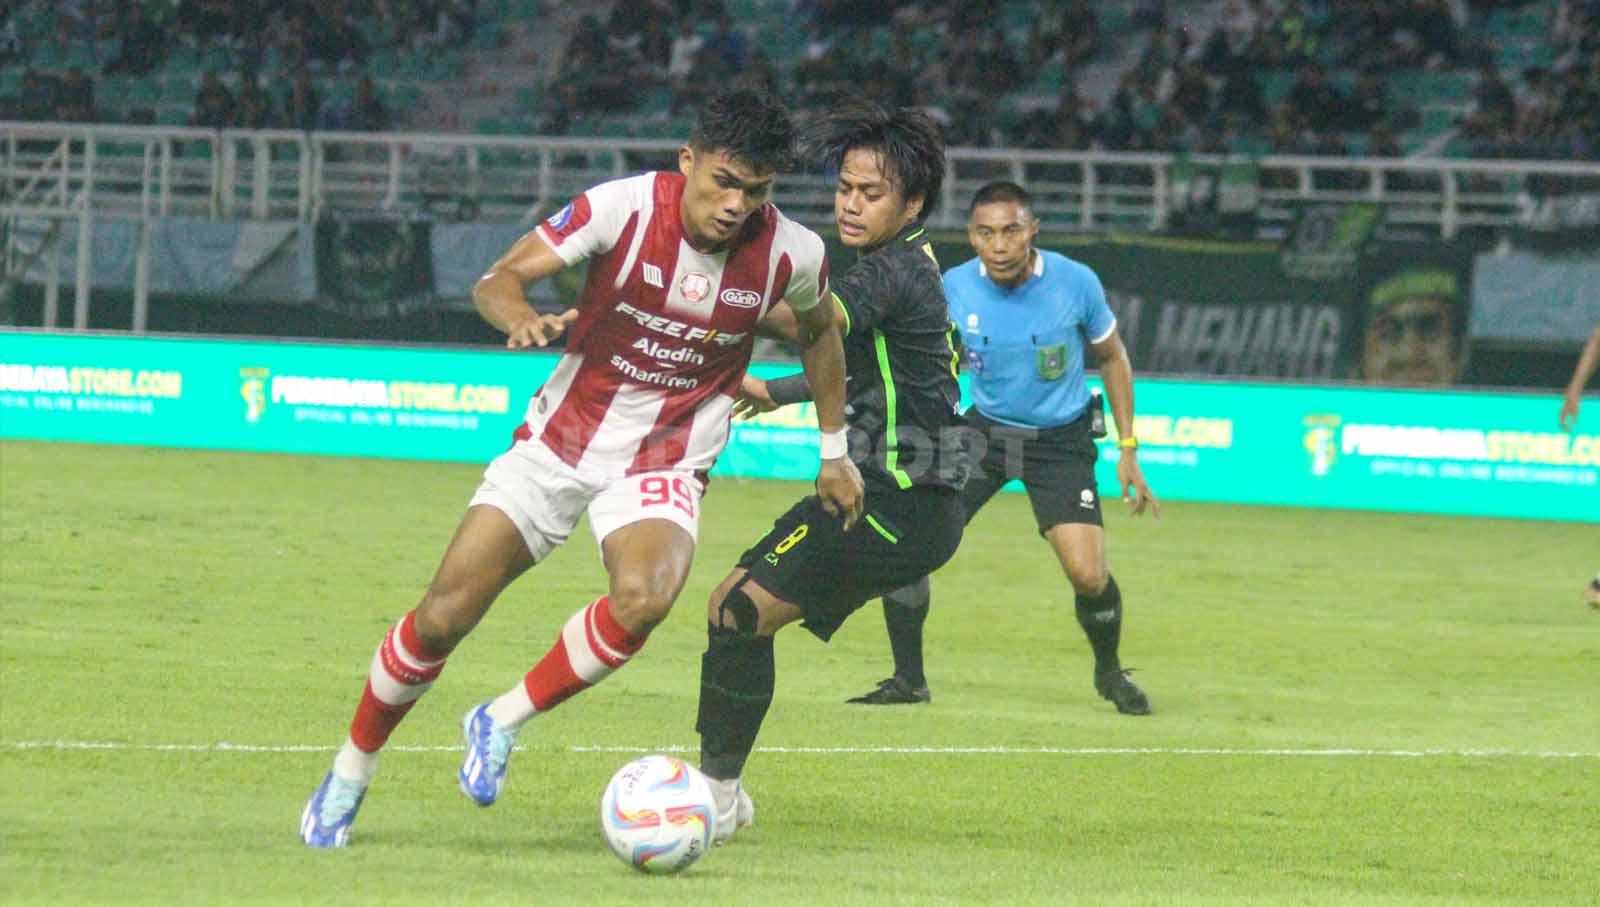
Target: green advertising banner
1346 447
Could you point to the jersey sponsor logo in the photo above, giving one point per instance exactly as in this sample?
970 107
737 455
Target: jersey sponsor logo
657 379
694 286
652 276
559 220
671 327
663 353
741 299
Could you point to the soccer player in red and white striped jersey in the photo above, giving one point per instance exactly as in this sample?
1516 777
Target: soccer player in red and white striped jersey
682 268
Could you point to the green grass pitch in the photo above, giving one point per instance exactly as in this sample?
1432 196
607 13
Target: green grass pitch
1350 708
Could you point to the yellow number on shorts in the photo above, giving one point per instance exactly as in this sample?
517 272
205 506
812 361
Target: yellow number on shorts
793 539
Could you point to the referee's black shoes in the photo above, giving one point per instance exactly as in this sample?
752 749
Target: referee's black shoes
894 691
1123 693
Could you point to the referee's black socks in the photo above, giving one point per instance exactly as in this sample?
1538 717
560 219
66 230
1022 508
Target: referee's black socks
904 612
737 675
1100 616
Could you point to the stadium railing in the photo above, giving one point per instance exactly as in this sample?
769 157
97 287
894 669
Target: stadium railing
139 171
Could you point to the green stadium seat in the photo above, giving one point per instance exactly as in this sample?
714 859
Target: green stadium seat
142 92
1249 145
1439 119
444 67
407 95
49 55
656 100
383 61
530 98
655 128
1019 15
80 55
487 36
1430 87
221 59
182 60
1275 85
1115 18
113 89
177 88
1049 79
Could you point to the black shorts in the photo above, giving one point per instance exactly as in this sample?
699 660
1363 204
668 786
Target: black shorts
809 559
1056 466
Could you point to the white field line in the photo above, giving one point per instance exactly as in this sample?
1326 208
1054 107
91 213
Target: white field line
1343 752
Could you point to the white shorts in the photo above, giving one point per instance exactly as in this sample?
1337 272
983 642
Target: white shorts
544 497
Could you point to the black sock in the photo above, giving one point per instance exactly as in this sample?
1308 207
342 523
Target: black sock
904 611
737 675
1100 616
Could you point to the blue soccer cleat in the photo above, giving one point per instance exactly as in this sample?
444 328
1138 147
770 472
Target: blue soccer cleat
483 770
331 811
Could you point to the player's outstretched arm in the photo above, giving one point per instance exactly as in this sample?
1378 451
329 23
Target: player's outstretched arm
1587 363
499 294
838 481
781 323
1116 372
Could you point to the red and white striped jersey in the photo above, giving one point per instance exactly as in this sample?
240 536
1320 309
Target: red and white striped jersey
664 334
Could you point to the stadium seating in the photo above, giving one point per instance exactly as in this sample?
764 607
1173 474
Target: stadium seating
1427 105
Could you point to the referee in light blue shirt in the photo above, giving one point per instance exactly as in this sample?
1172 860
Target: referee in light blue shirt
1025 316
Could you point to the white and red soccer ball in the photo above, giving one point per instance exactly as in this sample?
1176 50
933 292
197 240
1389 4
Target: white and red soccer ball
658 814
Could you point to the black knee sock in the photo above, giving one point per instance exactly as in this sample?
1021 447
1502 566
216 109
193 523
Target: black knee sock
1100 616
737 675
904 611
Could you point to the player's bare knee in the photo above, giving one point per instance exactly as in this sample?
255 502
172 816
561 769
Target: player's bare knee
1087 578
442 621
637 604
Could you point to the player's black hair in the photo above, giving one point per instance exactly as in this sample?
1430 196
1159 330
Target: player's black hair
1000 191
750 126
907 140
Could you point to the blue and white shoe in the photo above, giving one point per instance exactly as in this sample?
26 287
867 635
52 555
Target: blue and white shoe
331 811
483 770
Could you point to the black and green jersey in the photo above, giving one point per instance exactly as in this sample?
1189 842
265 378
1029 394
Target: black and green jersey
902 399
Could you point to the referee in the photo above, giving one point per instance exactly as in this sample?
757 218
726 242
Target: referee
1025 316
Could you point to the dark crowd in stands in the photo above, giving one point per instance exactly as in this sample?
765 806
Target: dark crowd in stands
1271 76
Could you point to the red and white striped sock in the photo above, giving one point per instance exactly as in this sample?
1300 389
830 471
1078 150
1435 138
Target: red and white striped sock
591 647
402 670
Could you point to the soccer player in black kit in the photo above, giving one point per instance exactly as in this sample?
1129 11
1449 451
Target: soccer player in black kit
904 435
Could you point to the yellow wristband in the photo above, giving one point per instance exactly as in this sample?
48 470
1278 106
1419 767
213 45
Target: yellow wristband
1129 442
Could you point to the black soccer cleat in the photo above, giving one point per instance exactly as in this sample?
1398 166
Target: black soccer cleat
1123 693
894 691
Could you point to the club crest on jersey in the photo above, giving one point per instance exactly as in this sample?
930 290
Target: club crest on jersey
560 219
741 299
694 286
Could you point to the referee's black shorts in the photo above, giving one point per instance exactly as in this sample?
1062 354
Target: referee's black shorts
1056 466
809 559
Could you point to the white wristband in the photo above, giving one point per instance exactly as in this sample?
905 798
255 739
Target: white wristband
834 445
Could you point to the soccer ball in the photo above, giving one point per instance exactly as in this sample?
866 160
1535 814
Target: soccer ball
657 814
1591 592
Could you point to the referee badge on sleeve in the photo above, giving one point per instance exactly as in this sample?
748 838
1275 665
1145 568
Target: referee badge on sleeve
1052 361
